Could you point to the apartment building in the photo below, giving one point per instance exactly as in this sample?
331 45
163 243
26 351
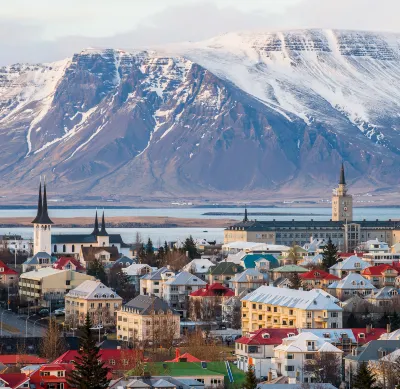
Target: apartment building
47 286
271 307
147 318
290 356
152 284
92 297
381 275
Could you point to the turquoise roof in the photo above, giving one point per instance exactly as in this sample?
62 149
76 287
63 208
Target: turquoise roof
250 260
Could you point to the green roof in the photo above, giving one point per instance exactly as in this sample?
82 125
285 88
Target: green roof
250 260
290 269
194 369
226 268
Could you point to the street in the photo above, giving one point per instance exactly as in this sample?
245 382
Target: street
14 325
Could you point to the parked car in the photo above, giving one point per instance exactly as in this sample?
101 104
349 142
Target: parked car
43 312
59 312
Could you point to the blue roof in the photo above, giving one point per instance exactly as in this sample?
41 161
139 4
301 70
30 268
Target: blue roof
250 260
41 255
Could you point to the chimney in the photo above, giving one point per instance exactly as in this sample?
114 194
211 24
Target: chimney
388 329
368 329
177 353
270 375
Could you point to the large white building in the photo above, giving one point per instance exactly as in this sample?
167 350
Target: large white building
46 242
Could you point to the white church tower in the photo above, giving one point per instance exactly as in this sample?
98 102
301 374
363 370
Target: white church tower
42 225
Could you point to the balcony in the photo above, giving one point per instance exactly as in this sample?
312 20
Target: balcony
320 319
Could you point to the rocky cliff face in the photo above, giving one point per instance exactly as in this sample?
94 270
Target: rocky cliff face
248 113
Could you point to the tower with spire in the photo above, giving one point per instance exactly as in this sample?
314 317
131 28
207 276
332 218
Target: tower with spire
342 202
42 224
103 238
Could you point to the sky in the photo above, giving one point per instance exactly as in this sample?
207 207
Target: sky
49 30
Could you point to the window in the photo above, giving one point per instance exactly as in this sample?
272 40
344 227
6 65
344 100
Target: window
309 356
91 305
275 309
112 362
290 356
309 315
60 374
259 317
254 306
55 248
73 248
334 314
289 368
64 248
67 282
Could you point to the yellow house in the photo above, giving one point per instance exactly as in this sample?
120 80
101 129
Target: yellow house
271 307
48 286
95 298
148 319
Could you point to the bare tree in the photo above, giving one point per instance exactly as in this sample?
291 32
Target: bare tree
387 371
52 344
202 347
324 368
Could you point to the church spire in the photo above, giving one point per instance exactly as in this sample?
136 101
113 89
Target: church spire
342 180
103 231
44 217
96 225
246 218
39 208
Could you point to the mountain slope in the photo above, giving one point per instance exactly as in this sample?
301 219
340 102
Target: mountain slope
247 114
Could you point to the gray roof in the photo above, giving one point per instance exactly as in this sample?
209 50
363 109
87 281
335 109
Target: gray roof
156 382
353 281
295 386
146 304
156 275
242 277
81 238
370 352
40 255
185 278
386 293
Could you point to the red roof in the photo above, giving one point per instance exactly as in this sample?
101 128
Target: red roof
318 275
186 357
21 358
267 336
6 269
14 380
377 270
374 334
213 290
36 378
63 261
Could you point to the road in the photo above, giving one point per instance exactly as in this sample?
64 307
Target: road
19 323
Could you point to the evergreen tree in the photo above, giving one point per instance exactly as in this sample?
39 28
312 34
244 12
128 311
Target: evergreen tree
329 255
121 283
383 321
96 269
166 248
149 248
251 380
352 321
88 373
395 322
364 379
295 281
190 248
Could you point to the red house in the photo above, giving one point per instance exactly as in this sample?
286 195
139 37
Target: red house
21 360
213 290
52 376
317 279
68 263
7 276
14 380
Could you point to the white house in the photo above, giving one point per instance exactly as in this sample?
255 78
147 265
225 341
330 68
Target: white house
135 272
248 280
353 284
291 356
199 267
152 283
349 265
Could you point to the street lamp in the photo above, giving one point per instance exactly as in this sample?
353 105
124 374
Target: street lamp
98 327
26 325
1 319
34 323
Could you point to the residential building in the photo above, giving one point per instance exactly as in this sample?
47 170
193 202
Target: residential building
21 360
123 262
352 284
38 261
155 382
370 352
147 319
47 286
257 348
295 386
52 375
394 335
375 246
317 279
383 297
223 272
8 276
270 307
12 243
352 264
248 280
176 290
199 267
94 298
14 381
106 255
381 259
315 260
315 246
68 263
206 303
135 272
381 275
286 270
247 246
262 262
295 351
151 284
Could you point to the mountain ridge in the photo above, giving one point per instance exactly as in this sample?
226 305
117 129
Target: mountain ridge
242 114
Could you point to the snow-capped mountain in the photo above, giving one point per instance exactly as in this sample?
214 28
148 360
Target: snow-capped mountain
257 112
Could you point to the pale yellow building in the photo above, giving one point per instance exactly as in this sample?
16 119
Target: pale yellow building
271 307
95 298
147 318
48 286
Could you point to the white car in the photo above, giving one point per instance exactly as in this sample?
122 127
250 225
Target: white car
59 312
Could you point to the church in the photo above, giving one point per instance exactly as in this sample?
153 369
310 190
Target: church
68 244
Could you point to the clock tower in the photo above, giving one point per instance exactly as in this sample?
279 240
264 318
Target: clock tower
342 203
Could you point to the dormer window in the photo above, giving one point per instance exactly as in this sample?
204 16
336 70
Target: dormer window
266 336
361 335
